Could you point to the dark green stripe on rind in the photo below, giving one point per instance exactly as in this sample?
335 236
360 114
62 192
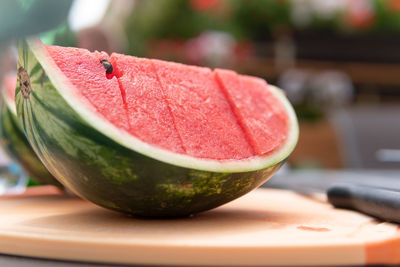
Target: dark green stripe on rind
17 147
111 175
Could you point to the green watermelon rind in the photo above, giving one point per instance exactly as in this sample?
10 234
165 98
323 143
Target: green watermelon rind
111 168
17 147
126 139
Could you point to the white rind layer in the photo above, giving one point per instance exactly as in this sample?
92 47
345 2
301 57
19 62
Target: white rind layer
89 114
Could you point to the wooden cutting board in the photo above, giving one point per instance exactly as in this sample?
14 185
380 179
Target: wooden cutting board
265 227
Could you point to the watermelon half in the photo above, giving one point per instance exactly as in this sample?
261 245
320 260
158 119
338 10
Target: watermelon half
150 137
12 137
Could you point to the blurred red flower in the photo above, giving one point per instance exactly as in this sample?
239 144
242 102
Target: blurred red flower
202 5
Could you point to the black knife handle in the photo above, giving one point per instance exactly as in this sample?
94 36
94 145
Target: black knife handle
377 202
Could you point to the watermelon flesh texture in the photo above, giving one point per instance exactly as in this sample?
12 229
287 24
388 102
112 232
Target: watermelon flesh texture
185 109
148 114
85 71
202 115
264 121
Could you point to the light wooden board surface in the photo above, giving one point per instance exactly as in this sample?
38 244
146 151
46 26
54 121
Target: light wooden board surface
265 227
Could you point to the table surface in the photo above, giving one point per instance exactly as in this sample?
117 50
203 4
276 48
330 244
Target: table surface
8 260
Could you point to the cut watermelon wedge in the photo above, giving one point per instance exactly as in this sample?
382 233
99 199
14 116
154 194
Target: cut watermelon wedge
150 137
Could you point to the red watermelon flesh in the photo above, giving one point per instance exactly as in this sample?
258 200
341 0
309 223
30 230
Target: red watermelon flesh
202 115
85 72
264 121
149 116
185 109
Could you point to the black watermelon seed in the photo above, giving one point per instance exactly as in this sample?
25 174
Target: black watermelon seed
107 65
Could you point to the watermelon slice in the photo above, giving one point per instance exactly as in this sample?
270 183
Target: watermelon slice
150 137
13 140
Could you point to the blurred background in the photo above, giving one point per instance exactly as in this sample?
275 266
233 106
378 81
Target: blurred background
337 60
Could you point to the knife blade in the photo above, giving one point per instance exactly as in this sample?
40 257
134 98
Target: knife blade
376 194
382 203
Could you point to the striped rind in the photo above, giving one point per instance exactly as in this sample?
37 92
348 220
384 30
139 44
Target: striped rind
111 168
15 144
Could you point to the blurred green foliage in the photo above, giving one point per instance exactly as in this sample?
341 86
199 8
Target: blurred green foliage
251 20
174 19
62 35
20 18
387 16
257 19
180 19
